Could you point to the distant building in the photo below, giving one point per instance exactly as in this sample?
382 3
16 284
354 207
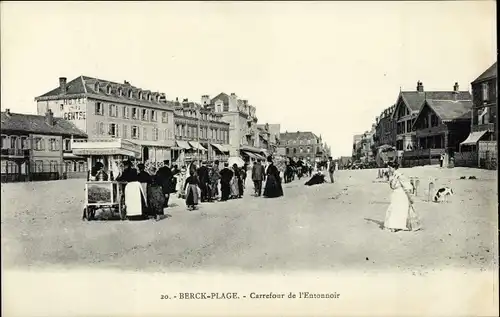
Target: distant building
109 110
408 106
269 136
302 145
200 133
385 132
38 148
244 137
356 146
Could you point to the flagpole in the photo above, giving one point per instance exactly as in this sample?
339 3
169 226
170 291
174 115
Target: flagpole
198 136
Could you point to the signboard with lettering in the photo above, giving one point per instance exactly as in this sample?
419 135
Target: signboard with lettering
74 112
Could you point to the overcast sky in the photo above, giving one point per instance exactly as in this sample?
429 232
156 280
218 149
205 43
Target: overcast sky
326 67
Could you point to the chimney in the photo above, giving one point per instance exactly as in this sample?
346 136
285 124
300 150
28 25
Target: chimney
7 112
49 117
163 97
420 86
126 83
62 85
456 88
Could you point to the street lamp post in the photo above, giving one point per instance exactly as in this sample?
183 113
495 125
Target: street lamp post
198 135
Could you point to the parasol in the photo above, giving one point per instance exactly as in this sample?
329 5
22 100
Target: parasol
235 160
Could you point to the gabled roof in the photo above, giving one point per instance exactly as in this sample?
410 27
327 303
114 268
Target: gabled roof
297 136
448 110
415 99
222 96
36 124
85 85
491 72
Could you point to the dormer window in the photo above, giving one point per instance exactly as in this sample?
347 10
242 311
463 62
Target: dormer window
96 86
108 89
120 91
149 97
130 93
140 94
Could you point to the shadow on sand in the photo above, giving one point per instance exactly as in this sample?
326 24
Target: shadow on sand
377 222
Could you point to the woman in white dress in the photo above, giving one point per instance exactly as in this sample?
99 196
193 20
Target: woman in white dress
401 214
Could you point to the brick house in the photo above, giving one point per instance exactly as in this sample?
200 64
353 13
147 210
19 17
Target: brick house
407 108
440 126
480 147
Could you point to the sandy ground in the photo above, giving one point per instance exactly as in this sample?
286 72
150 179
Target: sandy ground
329 226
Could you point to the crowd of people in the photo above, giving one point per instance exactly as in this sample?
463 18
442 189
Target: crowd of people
195 184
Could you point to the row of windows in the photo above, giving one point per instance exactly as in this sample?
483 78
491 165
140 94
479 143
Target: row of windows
128 92
205 133
134 113
294 142
22 143
301 150
133 132
38 166
193 114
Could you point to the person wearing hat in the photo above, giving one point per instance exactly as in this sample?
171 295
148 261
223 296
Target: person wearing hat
204 180
164 176
273 187
129 174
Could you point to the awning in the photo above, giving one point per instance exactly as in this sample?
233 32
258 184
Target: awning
183 145
219 147
251 155
99 152
71 156
248 148
197 146
473 138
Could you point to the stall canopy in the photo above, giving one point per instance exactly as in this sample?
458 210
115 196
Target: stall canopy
219 147
100 147
250 154
197 146
473 138
183 145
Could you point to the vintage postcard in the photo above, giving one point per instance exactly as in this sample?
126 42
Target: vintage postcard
235 158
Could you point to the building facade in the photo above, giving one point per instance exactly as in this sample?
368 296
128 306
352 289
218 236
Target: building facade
302 145
440 127
200 134
408 106
269 137
38 148
244 137
480 147
105 109
385 132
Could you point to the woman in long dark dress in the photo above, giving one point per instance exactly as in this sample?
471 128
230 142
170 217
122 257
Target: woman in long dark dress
156 198
191 187
273 187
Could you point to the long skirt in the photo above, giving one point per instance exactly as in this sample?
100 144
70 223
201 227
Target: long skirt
235 191
192 195
401 214
215 188
273 187
156 200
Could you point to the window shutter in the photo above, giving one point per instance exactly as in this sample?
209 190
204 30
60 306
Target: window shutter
117 127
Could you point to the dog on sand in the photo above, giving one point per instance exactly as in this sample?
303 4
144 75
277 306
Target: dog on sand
442 194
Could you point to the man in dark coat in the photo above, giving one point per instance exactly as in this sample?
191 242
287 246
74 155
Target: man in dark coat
225 179
128 174
204 182
258 176
164 176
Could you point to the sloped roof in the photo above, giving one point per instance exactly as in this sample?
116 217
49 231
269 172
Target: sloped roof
491 72
297 136
414 99
448 110
87 85
222 96
37 124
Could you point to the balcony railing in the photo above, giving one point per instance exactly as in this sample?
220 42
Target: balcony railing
15 152
483 127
